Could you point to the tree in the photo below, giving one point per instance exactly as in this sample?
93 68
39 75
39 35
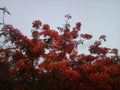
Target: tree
50 60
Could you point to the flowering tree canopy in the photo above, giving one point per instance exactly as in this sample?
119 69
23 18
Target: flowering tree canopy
50 60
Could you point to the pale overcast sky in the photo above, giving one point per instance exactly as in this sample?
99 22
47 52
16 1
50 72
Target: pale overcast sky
97 16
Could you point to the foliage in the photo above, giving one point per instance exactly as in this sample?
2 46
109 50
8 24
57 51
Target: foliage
50 60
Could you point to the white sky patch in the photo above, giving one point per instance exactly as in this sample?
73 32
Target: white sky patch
97 17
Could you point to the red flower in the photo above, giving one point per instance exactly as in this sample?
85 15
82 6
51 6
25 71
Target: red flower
73 54
38 48
74 33
35 34
20 63
94 49
72 74
46 27
86 36
37 24
78 25
115 51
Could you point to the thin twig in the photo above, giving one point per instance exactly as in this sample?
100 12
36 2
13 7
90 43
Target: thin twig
4 9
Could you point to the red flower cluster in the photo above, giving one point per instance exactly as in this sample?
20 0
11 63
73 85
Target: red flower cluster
86 36
35 35
115 51
78 25
37 24
50 61
46 27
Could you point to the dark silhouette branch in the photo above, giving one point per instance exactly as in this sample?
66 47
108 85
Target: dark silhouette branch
4 9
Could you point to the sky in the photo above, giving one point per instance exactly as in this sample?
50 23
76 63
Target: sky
98 17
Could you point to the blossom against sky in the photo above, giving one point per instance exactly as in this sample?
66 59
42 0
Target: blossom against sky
97 16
